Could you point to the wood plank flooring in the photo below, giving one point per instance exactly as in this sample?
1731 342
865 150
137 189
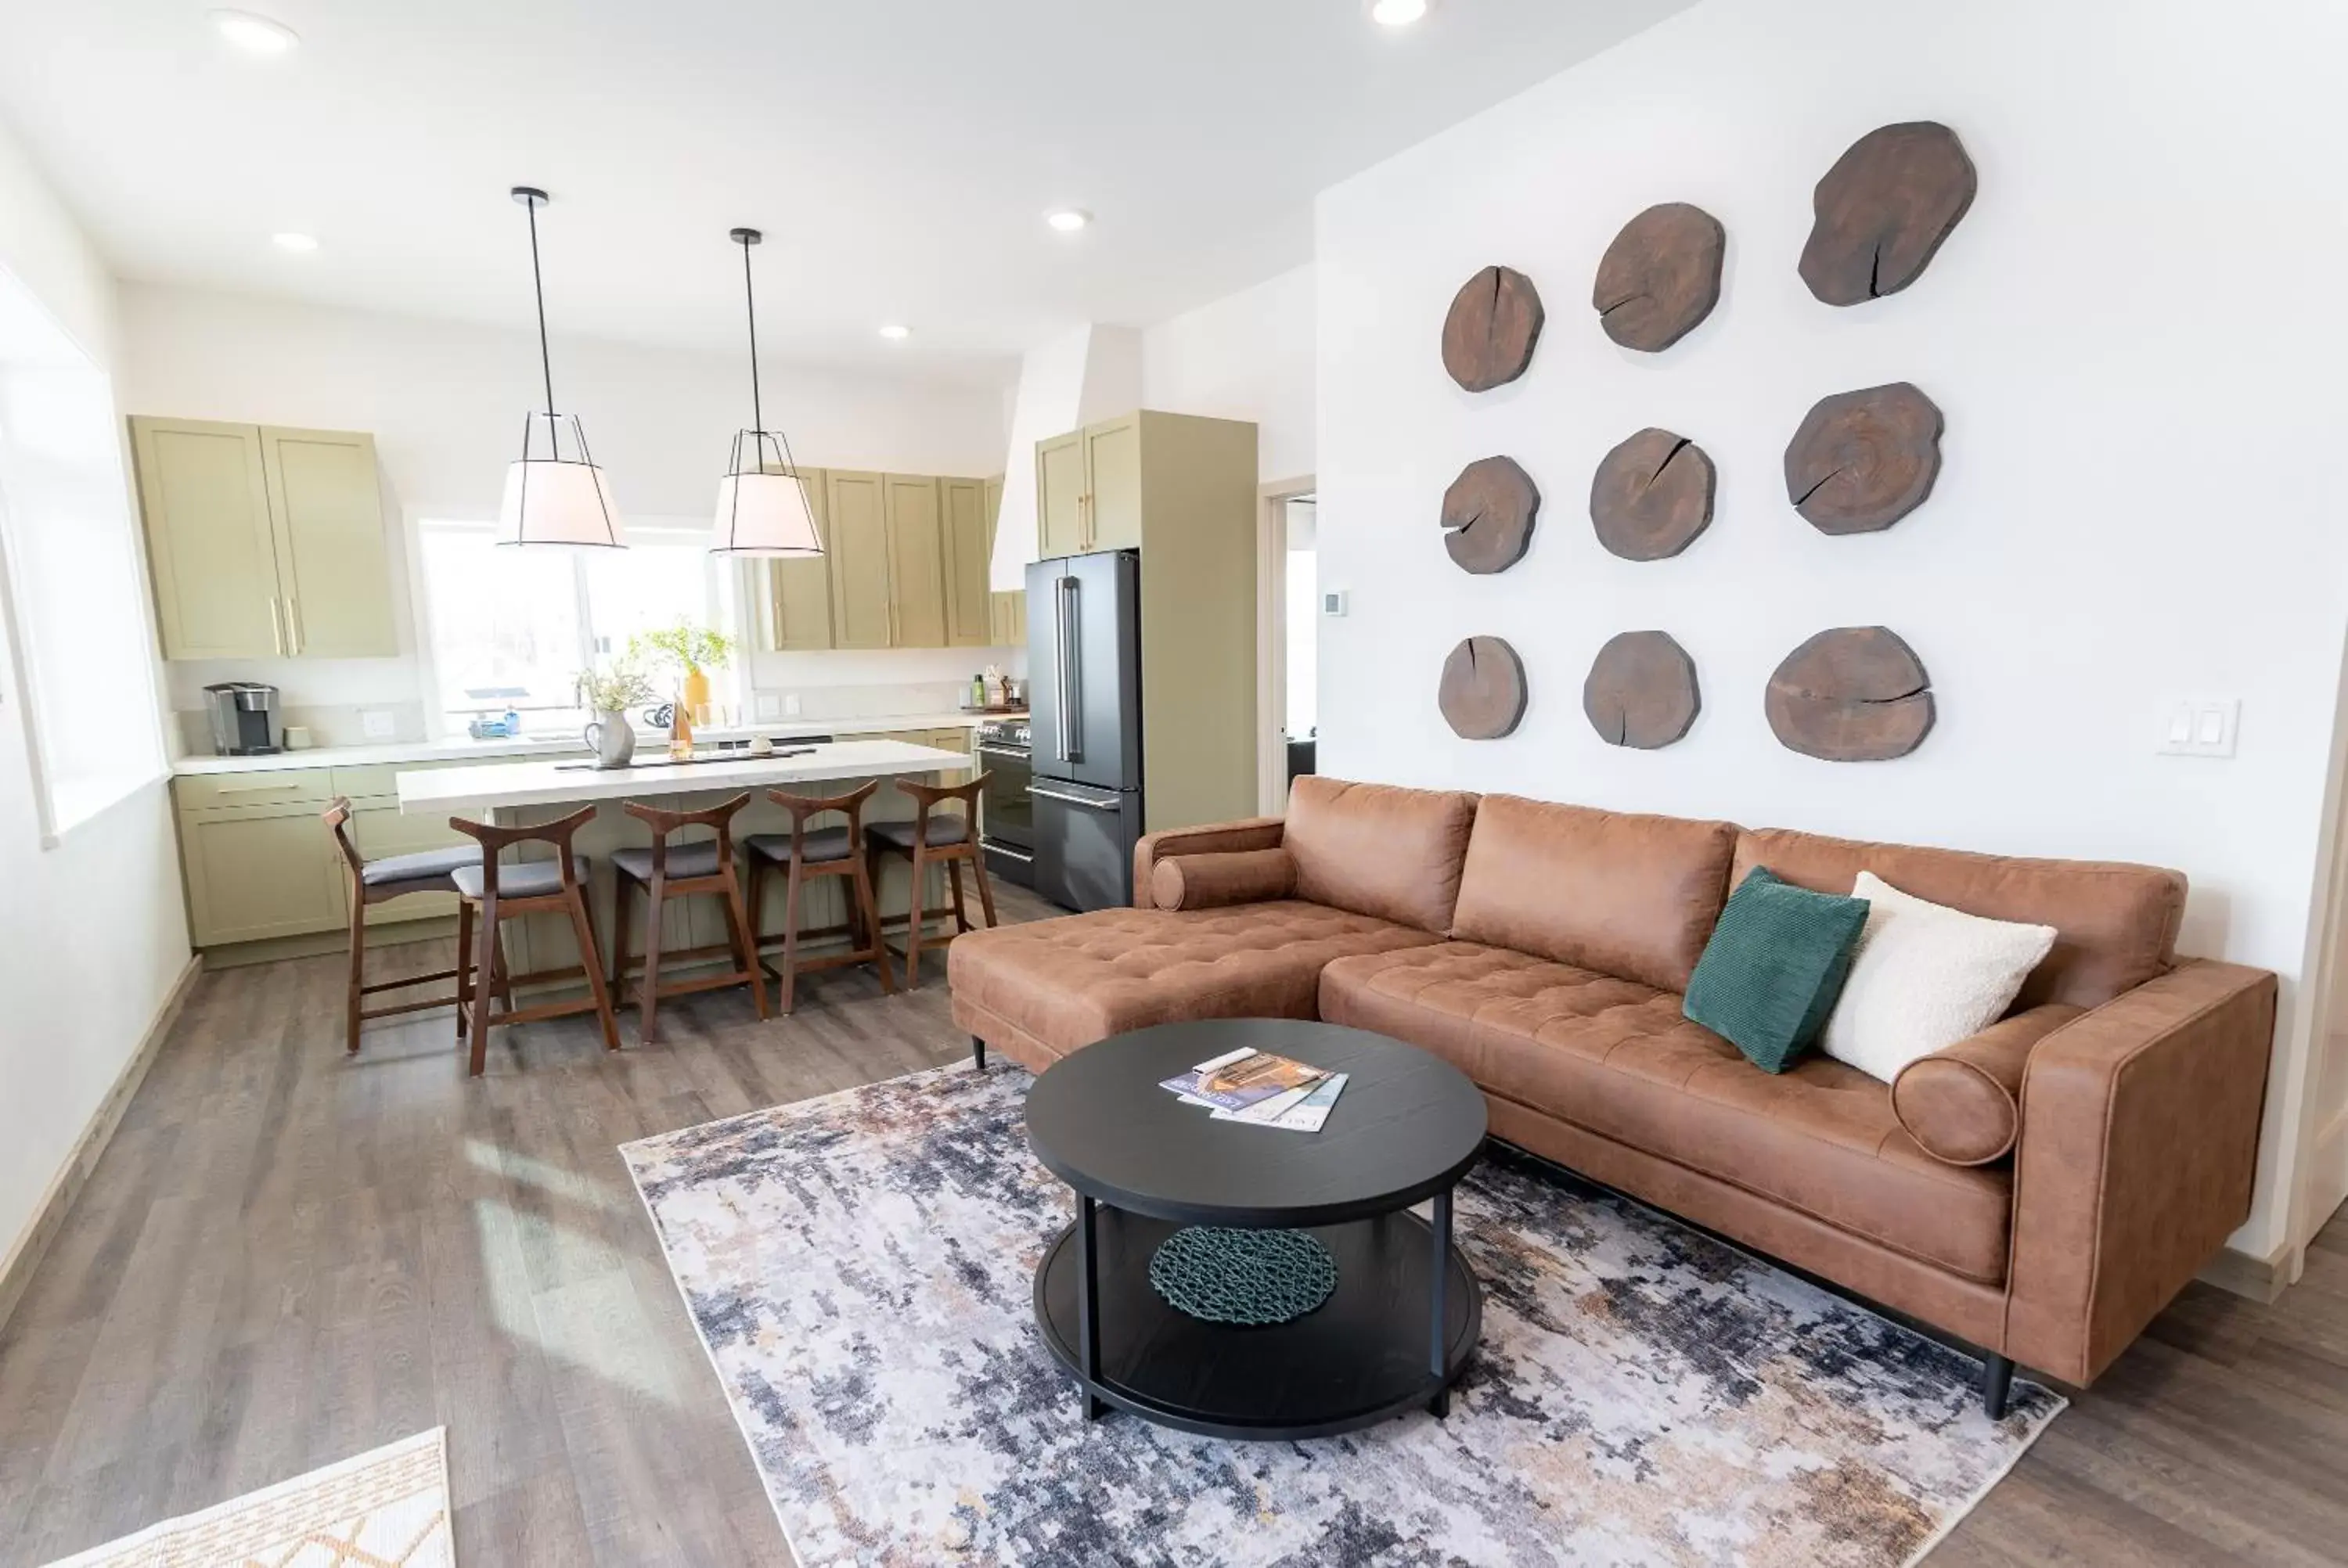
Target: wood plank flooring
285 1258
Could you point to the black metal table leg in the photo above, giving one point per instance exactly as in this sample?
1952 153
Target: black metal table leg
1440 1404
1088 1307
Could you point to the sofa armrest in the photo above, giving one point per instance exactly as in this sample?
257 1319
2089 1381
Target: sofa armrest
2139 1145
1208 838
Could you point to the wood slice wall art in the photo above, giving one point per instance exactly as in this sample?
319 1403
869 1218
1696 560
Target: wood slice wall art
1483 690
1488 514
1495 321
1660 277
1640 691
1854 694
1863 460
1883 210
1652 495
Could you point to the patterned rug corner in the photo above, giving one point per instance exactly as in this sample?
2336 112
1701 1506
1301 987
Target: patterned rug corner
860 1269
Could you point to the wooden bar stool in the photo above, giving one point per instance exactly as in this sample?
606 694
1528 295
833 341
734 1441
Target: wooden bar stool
803 854
949 839
493 893
667 871
374 882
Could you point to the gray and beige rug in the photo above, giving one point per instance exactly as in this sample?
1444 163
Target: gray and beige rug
860 1269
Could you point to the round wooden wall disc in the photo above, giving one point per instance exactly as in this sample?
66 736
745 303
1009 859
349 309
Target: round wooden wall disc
1483 690
1495 321
1854 694
1652 495
1640 691
1883 210
1863 460
1660 277
1488 515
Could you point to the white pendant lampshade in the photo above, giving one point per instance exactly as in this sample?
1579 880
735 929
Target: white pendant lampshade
557 496
557 499
762 503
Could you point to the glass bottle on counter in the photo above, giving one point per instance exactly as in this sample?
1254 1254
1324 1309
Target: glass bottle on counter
680 732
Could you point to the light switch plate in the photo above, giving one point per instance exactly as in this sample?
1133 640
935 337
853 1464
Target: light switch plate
770 705
2199 726
791 704
377 724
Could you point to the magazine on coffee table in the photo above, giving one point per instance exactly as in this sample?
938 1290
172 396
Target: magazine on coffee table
1239 1080
1310 1113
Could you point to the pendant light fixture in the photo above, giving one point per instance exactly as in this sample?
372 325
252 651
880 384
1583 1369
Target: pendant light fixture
762 502
557 496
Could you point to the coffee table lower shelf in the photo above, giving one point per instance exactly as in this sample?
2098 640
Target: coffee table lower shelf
1363 1356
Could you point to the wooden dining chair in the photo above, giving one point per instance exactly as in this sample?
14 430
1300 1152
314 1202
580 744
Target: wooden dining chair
663 871
374 882
931 838
493 893
802 855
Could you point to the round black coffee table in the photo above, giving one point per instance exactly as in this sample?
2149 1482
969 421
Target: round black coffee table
1405 1311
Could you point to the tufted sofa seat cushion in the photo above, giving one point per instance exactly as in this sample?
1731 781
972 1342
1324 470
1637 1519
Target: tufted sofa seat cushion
1617 1059
1064 984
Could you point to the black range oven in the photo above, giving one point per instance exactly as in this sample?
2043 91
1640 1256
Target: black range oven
1007 818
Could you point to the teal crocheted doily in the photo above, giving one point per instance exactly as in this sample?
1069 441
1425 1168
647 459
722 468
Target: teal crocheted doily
1243 1277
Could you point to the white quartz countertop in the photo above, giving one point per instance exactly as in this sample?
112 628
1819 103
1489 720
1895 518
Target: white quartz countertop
494 785
393 754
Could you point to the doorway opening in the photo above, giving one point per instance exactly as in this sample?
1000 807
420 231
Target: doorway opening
1288 641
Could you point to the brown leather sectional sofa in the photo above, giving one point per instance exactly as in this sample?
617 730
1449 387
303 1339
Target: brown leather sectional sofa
2041 1190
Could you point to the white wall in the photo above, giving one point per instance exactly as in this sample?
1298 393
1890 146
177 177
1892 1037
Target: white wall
1246 356
446 402
92 933
2135 335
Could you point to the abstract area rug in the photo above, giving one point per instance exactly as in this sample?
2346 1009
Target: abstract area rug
860 1269
387 1508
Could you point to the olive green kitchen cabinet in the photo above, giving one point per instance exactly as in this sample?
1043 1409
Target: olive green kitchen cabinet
968 539
857 508
1089 491
258 861
1060 496
264 542
798 592
917 562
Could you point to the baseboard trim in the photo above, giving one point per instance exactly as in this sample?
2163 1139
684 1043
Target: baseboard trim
33 1244
2260 1279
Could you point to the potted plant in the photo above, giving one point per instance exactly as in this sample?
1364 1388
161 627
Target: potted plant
608 694
693 649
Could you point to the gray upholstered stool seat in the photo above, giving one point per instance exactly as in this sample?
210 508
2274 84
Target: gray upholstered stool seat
426 871
942 829
684 860
822 845
520 879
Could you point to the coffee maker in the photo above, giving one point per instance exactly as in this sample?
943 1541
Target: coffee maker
244 719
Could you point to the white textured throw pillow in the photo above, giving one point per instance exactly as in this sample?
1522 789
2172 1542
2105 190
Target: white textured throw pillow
1925 977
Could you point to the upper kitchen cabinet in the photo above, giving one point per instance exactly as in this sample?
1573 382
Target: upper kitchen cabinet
917 562
1123 483
798 592
264 543
858 509
969 539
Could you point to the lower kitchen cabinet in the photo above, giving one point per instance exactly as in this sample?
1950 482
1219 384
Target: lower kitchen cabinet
255 872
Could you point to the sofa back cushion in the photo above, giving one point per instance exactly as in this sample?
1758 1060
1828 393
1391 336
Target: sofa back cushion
1379 849
2115 924
1628 895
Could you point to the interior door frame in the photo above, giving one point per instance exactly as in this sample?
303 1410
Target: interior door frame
1271 638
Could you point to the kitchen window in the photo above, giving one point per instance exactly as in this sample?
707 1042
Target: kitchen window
512 626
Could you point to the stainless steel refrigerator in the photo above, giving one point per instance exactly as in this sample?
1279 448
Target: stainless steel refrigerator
1084 701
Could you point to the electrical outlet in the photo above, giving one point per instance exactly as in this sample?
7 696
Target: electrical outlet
2199 726
770 706
377 724
791 704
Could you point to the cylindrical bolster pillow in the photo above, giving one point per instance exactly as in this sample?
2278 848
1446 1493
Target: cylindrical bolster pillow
1963 1104
1227 877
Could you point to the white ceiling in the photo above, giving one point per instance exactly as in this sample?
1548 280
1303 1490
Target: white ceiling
900 154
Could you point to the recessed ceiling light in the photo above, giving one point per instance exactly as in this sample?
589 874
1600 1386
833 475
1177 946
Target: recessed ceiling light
289 240
1068 220
896 332
1397 12
255 35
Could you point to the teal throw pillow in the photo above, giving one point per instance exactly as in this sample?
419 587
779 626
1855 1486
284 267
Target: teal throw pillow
1776 963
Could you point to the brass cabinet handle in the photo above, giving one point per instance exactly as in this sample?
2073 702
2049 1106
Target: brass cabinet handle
294 624
277 632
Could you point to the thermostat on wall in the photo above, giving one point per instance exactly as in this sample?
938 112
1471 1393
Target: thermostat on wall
1333 602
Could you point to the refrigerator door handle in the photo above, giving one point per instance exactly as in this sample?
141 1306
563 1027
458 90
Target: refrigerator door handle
1060 587
1113 802
1072 712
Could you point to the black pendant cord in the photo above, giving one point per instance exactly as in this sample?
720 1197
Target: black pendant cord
751 304
538 287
